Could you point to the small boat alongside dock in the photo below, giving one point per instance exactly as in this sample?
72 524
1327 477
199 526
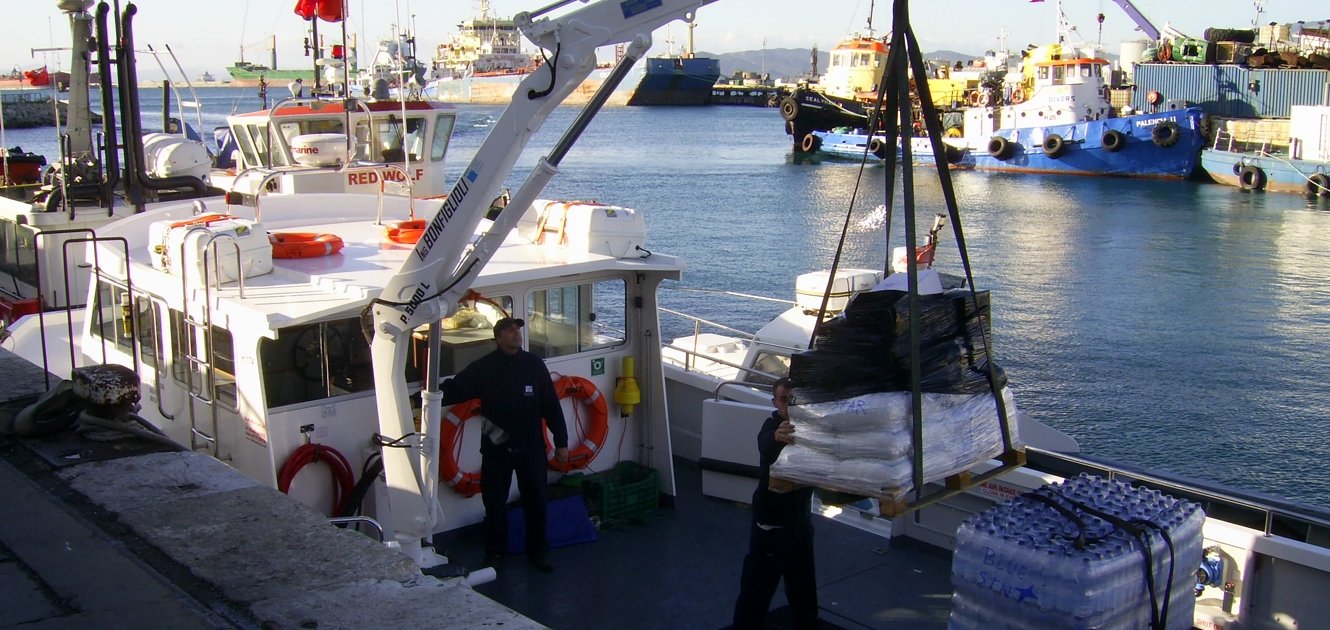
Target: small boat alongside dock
1301 166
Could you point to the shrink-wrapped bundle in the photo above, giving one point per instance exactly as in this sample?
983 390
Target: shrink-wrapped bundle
865 444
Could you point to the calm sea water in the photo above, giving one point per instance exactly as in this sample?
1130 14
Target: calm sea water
1175 325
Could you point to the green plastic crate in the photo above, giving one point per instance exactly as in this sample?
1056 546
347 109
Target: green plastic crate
629 491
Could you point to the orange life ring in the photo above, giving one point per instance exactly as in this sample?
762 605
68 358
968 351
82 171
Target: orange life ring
580 455
1017 96
975 98
465 483
407 232
304 244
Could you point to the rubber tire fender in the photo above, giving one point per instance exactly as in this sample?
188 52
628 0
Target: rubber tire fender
999 147
1113 140
1318 185
878 148
810 143
789 108
1251 177
1054 145
1165 134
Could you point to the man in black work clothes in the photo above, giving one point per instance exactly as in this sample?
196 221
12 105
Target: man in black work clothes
780 542
515 392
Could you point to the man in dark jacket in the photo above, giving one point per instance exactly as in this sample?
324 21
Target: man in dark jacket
515 392
780 543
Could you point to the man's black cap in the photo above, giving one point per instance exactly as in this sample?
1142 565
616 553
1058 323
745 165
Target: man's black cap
505 323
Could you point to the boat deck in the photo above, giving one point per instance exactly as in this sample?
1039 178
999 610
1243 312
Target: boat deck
680 569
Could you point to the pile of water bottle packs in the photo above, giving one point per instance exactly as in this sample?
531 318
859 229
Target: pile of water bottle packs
1026 564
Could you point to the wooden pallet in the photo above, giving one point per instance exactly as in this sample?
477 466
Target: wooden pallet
891 506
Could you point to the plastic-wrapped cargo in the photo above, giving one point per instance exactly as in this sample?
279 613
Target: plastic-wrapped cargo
1026 564
865 444
866 348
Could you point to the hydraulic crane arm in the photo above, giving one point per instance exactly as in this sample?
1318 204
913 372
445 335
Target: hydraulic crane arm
1141 22
444 263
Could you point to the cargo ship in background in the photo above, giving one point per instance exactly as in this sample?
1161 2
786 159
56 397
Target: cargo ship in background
685 79
483 62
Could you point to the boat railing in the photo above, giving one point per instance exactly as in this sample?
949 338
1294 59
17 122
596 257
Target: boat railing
1252 512
194 103
745 384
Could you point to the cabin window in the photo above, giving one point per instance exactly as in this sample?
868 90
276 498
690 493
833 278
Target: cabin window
18 252
1058 75
1085 71
467 335
443 131
776 365
392 144
1043 73
123 326
208 376
576 318
316 361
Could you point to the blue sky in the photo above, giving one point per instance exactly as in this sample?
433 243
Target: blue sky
204 38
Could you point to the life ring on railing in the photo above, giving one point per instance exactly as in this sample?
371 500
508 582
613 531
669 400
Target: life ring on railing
466 484
580 455
1017 96
1112 140
1251 177
1165 134
304 244
407 232
1318 185
343 478
975 98
1054 145
1154 98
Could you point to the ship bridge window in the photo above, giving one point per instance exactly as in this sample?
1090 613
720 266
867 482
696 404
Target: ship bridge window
316 361
255 142
128 323
467 335
576 318
18 255
1086 71
1059 74
768 366
392 144
1043 73
443 131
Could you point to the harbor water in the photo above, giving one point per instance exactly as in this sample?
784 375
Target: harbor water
1176 325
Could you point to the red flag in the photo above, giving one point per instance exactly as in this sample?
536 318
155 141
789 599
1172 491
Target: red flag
38 77
326 10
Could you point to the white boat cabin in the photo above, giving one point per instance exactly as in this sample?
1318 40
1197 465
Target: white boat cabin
1063 92
394 146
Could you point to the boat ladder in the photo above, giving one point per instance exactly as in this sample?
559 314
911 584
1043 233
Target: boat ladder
196 340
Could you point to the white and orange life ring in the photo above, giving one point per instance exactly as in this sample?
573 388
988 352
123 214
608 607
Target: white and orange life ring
1017 96
407 232
304 244
598 428
465 483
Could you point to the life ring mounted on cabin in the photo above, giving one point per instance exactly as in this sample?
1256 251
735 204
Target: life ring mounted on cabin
288 245
1017 96
597 429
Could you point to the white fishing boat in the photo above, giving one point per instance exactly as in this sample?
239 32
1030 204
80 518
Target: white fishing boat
268 361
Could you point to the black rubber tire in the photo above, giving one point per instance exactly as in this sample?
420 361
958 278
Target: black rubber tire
952 154
810 143
1165 134
1252 178
1318 185
1054 146
999 147
789 108
878 148
1113 140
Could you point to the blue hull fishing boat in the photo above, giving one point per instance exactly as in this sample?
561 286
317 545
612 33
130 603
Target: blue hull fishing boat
1303 168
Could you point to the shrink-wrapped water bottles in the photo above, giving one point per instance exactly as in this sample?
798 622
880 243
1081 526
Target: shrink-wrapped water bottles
1028 564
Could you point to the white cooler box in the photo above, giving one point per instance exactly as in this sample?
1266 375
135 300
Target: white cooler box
808 288
165 239
605 230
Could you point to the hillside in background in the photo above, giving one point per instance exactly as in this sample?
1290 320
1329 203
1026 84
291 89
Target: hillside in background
792 63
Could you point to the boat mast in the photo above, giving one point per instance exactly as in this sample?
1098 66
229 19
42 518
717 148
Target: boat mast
870 18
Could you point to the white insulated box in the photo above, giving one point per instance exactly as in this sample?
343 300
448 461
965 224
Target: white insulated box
597 229
1310 126
190 239
808 288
